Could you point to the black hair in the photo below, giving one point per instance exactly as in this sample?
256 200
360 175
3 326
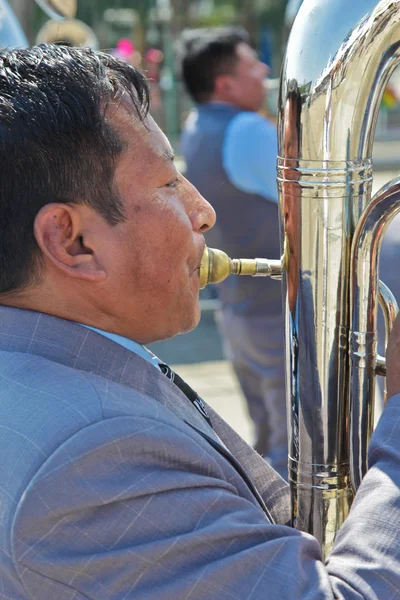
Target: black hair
207 53
56 144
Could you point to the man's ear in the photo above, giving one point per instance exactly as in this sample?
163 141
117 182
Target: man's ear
58 232
223 85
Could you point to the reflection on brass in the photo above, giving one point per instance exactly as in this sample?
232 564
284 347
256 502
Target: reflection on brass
216 266
332 83
286 254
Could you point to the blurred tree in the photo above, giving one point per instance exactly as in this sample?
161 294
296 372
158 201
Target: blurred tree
142 7
270 16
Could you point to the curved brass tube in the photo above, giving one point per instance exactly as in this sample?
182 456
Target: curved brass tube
365 251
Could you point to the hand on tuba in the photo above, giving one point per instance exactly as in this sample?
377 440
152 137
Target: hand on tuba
393 360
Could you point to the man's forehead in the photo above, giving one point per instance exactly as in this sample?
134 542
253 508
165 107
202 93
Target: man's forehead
135 132
156 146
159 141
243 50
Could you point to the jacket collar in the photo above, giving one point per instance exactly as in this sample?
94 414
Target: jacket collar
72 345
77 347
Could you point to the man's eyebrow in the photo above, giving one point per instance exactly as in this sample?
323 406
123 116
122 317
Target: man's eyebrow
169 155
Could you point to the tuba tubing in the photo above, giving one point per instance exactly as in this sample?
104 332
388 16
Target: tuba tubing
364 294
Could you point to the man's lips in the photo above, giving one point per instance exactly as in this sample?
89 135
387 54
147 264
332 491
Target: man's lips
198 264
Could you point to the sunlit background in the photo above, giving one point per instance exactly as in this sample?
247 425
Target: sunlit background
147 33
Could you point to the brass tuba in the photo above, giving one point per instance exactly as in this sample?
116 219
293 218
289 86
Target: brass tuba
332 84
339 58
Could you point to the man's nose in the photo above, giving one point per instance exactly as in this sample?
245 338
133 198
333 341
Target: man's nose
201 213
205 216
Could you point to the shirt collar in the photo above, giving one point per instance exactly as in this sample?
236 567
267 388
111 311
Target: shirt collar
128 344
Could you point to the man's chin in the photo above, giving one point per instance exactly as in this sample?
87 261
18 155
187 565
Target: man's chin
192 322
186 326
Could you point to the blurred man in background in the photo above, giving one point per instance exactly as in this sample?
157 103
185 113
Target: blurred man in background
230 152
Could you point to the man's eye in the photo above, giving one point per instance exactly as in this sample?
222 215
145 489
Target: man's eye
173 184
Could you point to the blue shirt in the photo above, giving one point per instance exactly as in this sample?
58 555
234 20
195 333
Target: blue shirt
249 154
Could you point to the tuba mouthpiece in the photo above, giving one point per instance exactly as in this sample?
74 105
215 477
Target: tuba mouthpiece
216 266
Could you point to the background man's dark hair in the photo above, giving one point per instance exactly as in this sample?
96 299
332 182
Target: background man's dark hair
55 143
207 53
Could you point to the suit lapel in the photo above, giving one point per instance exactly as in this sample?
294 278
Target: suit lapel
274 491
236 464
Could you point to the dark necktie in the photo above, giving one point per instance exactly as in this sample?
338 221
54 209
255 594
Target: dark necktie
187 390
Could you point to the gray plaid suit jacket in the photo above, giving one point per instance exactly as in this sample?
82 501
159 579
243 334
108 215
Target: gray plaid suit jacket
114 487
